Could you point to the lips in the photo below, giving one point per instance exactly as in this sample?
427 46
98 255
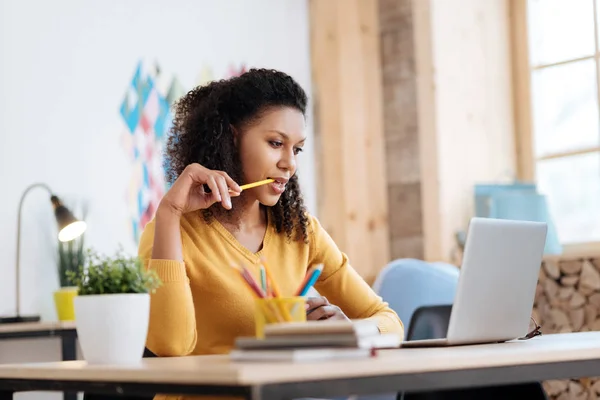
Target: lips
279 185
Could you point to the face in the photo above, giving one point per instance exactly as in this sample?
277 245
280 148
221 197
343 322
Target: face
269 149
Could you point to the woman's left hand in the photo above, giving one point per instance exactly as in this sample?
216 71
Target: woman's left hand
318 308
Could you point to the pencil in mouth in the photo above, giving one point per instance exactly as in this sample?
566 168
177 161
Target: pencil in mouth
255 184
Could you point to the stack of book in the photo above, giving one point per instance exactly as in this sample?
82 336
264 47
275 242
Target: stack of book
315 341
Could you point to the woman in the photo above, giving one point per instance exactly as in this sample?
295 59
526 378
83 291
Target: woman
227 133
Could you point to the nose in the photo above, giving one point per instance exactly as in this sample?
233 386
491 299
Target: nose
287 162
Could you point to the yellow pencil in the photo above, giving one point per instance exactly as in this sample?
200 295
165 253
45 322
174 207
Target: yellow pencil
255 184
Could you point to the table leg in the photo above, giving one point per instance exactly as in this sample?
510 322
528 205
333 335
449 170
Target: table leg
271 393
69 346
6 395
69 353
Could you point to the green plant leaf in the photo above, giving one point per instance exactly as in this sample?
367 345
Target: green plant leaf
70 259
120 273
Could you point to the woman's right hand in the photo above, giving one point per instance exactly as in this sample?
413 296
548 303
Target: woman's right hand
187 192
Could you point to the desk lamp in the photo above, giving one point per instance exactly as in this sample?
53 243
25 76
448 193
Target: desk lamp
69 229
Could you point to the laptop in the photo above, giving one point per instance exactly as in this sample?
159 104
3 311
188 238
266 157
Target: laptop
496 286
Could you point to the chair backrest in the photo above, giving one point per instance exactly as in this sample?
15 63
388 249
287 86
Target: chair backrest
148 353
407 284
429 322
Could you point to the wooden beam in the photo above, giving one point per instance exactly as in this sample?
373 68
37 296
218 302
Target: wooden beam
346 74
428 142
377 190
522 90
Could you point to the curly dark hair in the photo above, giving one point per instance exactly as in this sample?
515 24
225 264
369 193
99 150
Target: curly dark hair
202 133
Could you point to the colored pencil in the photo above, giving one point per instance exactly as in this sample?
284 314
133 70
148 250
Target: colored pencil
306 278
316 272
247 277
250 279
263 281
258 293
276 292
255 184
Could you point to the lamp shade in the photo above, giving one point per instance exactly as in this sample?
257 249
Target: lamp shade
69 226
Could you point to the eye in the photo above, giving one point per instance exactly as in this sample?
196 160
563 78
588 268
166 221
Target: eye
275 143
298 150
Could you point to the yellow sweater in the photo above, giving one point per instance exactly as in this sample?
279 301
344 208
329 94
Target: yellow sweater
203 305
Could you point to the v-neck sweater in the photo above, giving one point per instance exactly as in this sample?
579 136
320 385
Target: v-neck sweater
203 304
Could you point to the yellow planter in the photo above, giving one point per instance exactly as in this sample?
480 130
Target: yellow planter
63 300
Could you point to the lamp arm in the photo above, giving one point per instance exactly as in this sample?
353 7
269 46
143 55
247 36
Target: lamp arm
18 252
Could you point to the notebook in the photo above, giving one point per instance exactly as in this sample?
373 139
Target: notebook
300 355
359 328
379 341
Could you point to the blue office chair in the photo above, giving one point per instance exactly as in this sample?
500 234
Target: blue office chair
407 284
429 322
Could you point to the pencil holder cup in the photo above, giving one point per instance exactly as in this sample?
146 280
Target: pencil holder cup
278 310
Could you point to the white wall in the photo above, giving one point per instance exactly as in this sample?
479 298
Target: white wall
64 68
466 81
474 104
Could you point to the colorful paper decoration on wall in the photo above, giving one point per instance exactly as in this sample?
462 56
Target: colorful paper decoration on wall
146 113
235 71
204 76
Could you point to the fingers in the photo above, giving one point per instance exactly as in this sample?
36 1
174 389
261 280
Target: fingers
315 302
218 185
215 193
323 312
200 174
235 188
318 308
197 173
224 191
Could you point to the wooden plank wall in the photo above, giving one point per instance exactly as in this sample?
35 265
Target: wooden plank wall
427 123
347 101
522 90
402 130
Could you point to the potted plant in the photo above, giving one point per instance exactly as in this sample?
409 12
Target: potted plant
112 309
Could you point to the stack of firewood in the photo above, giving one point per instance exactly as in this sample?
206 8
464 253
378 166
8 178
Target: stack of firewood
568 300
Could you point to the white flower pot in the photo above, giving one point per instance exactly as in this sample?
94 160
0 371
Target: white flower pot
112 328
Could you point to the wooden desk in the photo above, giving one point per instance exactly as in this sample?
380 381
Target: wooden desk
66 331
35 329
558 356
